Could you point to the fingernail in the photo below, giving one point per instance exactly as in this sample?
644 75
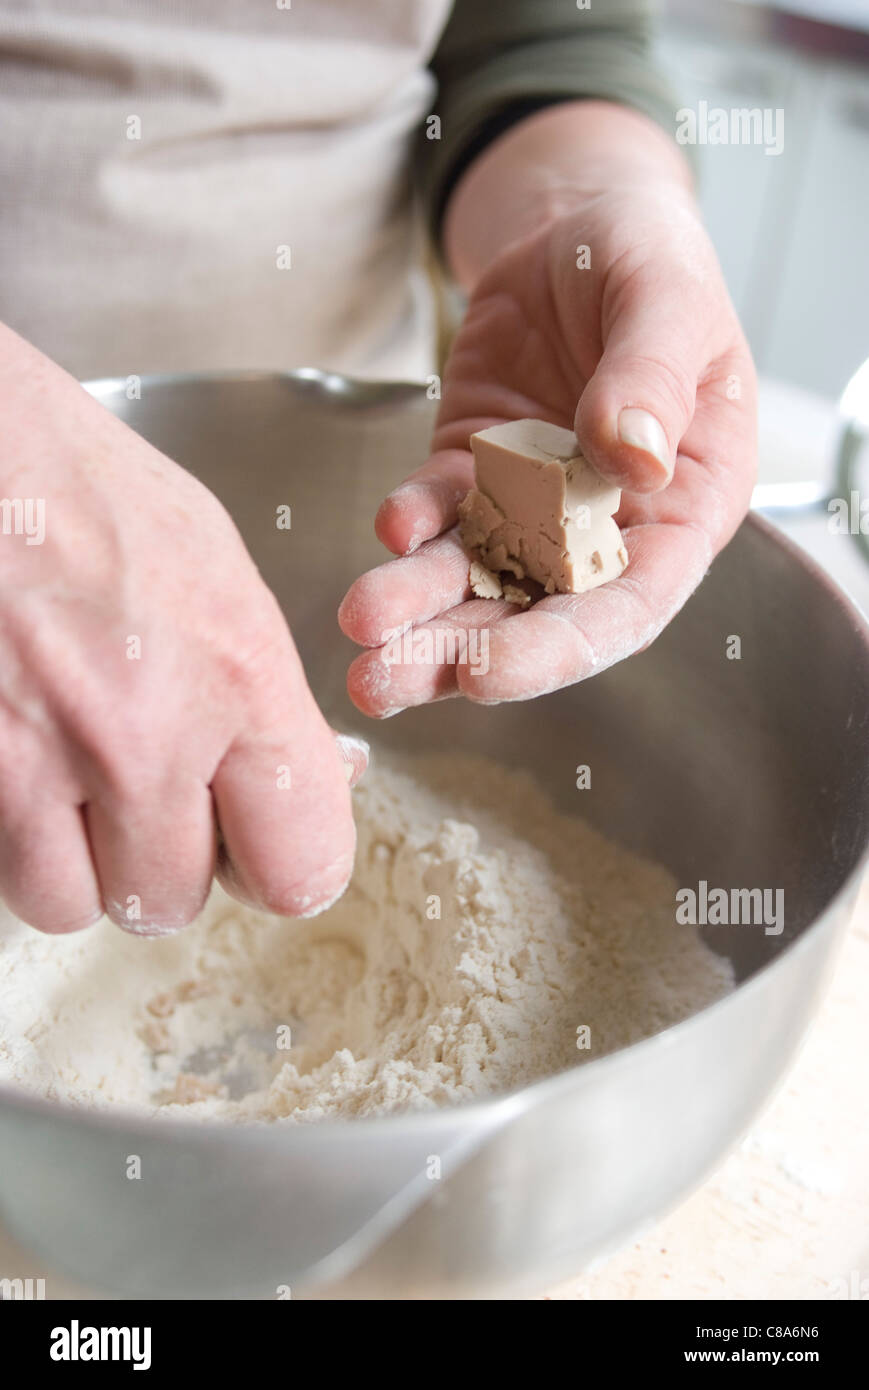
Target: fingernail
325 889
150 929
355 753
168 925
405 500
641 430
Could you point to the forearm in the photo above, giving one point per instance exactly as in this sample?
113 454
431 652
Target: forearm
546 164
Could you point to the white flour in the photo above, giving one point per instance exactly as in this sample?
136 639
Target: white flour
544 928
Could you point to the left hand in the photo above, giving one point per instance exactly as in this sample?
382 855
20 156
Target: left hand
647 327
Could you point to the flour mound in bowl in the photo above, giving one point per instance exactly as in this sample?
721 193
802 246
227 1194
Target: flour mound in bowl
482 933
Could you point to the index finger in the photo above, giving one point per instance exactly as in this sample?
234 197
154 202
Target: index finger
426 503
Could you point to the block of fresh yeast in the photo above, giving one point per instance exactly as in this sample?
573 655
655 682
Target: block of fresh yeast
540 510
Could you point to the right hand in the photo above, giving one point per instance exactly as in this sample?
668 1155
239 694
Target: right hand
116 767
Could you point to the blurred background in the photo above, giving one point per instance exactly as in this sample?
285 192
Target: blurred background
792 231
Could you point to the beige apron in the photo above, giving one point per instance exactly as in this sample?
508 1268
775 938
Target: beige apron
215 184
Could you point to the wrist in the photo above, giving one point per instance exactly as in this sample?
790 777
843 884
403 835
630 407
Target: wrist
559 160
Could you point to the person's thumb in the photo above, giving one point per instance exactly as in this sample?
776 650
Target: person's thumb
640 400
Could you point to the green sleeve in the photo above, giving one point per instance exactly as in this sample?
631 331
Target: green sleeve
499 60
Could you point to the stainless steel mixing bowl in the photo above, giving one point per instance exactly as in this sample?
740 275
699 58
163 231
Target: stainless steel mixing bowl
743 773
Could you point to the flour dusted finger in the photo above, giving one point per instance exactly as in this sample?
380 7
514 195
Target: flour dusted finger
420 664
411 589
46 872
283 803
153 848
